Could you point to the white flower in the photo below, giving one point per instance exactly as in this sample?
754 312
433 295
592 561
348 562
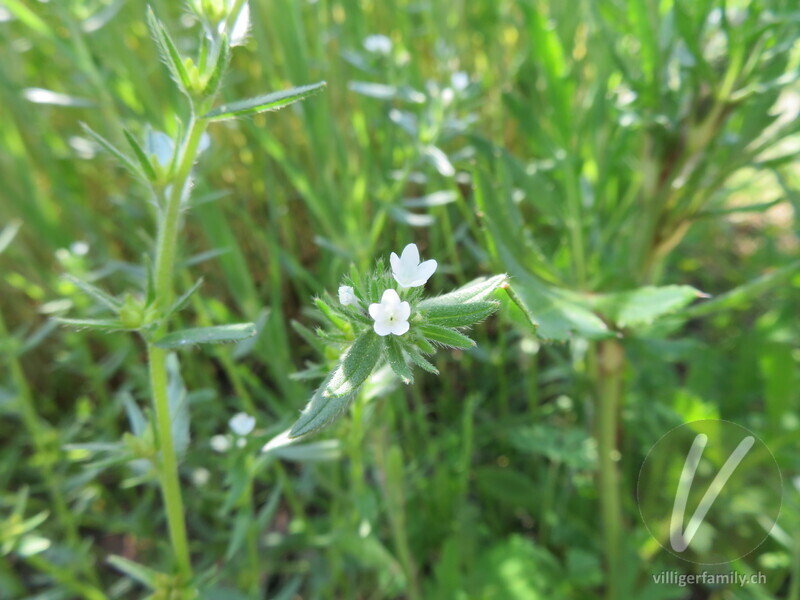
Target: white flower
459 80
220 443
201 476
242 423
377 43
407 269
391 315
347 297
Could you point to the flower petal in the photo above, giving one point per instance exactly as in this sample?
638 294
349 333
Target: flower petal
410 256
390 299
403 279
376 311
426 269
403 311
383 327
394 260
399 327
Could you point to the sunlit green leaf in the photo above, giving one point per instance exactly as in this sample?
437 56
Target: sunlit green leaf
268 102
446 336
218 334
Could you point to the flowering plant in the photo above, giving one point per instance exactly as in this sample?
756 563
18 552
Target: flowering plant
384 318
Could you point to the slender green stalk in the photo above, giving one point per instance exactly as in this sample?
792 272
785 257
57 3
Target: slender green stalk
607 368
168 226
170 484
164 273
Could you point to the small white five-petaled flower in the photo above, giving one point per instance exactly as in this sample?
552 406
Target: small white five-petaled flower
242 423
391 315
347 297
408 271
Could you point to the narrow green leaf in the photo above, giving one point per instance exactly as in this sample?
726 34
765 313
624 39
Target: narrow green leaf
223 56
168 51
134 570
184 299
102 297
397 361
446 336
268 102
460 315
320 411
144 161
207 335
421 361
338 322
425 346
333 397
475 291
100 324
355 366
124 160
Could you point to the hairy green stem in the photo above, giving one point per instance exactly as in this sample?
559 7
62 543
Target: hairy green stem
169 223
170 484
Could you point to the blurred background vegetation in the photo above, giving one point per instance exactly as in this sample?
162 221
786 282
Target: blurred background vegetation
586 148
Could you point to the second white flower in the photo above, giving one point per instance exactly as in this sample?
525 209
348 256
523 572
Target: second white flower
390 315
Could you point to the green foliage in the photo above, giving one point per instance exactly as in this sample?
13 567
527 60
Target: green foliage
218 334
259 104
611 157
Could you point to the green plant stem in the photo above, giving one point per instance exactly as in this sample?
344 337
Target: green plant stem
164 272
607 368
170 484
168 226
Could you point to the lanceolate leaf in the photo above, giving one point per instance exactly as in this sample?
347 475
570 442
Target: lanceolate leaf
355 366
421 361
124 160
95 292
99 324
207 335
268 102
340 387
474 291
181 302
396 360
446 336
320 411
223 55
144 161
460 315
168 50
